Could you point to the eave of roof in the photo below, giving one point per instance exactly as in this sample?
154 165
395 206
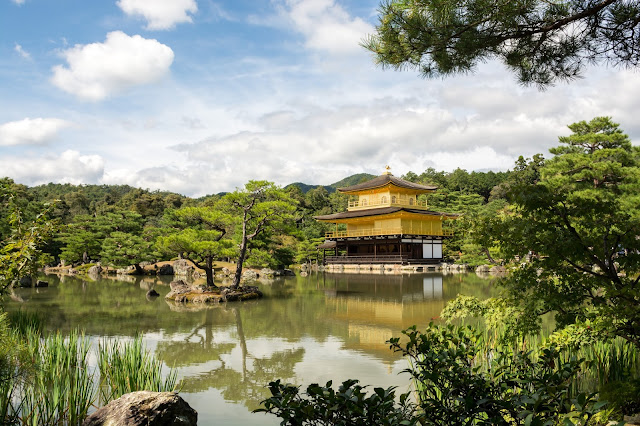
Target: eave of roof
381 211
388 179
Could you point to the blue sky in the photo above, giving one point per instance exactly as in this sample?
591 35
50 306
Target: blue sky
199 96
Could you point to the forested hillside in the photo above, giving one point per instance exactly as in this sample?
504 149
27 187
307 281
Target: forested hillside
121 225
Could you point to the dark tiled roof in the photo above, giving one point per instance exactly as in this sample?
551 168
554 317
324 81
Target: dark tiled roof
380 211
383 180
327 244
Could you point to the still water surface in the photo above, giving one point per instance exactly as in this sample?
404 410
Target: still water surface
306 329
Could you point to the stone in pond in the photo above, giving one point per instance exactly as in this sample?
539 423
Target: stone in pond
145 409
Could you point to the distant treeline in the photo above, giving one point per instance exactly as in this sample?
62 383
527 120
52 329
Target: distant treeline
88 214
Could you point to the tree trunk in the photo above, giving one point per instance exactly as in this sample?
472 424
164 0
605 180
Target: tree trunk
491 259
208 269
139 269
243 253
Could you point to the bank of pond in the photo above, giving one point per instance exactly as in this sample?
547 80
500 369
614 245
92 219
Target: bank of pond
221 358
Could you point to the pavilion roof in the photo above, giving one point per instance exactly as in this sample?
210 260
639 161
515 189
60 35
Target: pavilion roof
386 179
380 211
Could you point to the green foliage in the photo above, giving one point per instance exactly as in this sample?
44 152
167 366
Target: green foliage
513 320
122 249
21 251
536 39
349 405
453 387
623 396
580 221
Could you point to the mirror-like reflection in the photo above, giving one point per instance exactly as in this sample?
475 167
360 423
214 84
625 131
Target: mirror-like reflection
307 329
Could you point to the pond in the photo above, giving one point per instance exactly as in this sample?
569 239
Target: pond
306 329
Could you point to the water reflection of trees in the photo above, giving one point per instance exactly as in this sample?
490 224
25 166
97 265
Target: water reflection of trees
246 385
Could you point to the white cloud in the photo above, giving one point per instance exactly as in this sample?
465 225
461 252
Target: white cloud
22 52
30 131
327 26
18 2
98 70
68 167
160 14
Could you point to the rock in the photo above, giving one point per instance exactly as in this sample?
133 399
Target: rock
179 286
266 272
287 273
498 270
632 420
129 270
165 269
249 275
182 268
483 268
225 271
303 273
41 283
152 294
145 409
25 282
94 270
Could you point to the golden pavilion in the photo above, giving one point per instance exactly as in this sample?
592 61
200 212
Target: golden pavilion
386 222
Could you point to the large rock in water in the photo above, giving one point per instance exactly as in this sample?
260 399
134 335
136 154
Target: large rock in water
182 268
145 409
165 269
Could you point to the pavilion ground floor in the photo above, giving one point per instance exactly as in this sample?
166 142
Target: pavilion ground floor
402 250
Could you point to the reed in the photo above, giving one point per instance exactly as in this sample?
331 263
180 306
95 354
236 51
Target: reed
49 380
128 367
61 390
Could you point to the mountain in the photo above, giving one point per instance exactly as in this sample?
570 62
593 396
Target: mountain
348 181
352 180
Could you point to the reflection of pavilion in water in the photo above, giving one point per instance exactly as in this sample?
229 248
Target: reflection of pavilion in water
378 307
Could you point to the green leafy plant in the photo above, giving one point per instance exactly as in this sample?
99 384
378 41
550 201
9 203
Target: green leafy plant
455 386
351 404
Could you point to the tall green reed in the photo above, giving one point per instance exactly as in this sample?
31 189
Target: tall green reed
128 367
49 380
61 390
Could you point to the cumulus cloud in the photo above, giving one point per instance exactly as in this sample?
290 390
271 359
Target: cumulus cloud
98 70
68 167
30 131
22 52
160 14
326 25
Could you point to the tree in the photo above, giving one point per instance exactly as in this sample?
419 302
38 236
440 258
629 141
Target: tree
83 237
197 234
541 41
581 222
123 249
21 251
260 207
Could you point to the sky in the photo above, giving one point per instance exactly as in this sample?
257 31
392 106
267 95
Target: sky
200 96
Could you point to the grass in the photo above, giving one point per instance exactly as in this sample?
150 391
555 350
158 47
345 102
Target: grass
48 380
128 367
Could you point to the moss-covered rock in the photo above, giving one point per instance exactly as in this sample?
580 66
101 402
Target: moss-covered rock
181 292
